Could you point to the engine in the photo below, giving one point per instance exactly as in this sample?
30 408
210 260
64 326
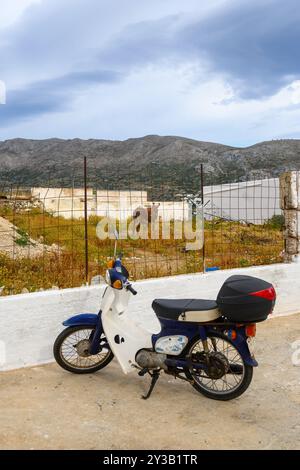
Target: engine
151 360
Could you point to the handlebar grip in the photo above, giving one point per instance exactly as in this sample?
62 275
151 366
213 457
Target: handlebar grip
131 289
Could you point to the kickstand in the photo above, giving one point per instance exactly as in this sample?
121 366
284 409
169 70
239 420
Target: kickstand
155 377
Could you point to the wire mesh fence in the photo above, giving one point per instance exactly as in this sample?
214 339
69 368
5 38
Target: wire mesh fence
244 224
49 236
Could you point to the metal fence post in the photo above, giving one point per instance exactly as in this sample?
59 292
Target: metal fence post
86 224
203 221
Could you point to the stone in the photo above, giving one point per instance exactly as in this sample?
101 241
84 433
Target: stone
292 246
292 223
289 190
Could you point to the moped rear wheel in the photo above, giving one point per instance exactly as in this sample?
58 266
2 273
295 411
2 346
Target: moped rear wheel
71 351
229 375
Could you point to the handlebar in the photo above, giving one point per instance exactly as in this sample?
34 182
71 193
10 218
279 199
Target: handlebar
131 289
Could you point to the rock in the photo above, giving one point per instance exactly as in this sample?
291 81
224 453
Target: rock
291 246
290 203
292 223
289 190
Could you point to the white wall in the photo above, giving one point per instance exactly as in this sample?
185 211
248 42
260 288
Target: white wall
252 201
29 323
173 210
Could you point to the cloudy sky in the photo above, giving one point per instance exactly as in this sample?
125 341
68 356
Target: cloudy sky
218 70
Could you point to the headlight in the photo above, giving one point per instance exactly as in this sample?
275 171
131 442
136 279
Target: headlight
107 277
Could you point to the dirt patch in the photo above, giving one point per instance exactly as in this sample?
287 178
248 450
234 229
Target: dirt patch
16 243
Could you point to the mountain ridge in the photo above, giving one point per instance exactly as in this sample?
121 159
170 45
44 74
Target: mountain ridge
170 161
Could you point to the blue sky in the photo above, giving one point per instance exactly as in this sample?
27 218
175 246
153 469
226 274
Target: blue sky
226 71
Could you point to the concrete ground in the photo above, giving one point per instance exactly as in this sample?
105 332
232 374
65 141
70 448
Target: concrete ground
47 408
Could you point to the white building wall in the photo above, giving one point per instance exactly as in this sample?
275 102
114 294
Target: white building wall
69 203
119 204
65 202
29 323
251 201
173 210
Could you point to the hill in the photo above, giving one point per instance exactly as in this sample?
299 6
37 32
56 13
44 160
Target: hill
162 164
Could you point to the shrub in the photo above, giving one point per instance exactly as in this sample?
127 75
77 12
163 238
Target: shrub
23 239
275 222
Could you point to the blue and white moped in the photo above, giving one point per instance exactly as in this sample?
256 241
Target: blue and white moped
197 342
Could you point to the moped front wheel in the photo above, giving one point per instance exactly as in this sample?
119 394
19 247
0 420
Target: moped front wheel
227 376
71 351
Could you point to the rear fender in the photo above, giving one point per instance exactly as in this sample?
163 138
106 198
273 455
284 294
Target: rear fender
240 343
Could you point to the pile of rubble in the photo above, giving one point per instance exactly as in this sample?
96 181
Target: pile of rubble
17 244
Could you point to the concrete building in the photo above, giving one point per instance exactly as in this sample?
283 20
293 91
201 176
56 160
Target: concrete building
119 204
252 201
66 202
69 203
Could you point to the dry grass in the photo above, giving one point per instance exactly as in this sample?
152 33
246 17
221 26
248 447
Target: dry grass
227 245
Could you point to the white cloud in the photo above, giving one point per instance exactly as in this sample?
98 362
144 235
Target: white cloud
2 92
159 93
166 101
12 10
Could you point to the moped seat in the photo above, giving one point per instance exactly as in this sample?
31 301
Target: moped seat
196 310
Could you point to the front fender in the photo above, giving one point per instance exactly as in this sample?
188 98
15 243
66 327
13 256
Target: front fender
82 319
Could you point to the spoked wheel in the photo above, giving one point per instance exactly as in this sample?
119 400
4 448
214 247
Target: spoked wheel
71 351
227 376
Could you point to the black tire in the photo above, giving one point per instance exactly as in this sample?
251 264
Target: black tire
221 395
104 359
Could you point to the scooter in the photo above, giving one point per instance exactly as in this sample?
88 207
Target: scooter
206 343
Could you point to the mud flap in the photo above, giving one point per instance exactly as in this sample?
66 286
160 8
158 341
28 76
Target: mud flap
242 346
